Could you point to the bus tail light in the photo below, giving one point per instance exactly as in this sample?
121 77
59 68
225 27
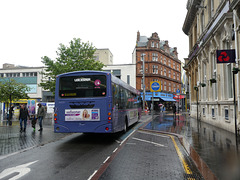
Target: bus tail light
109 117
55 118
106 128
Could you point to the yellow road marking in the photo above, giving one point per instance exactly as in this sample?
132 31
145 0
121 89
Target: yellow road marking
185 165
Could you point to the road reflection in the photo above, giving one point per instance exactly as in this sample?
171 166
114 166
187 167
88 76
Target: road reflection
217 147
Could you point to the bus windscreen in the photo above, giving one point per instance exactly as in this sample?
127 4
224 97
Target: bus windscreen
82 86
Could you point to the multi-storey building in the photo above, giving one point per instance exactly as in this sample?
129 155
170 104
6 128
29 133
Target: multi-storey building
161 64
212 25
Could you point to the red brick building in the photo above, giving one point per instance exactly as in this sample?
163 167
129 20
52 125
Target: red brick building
161 64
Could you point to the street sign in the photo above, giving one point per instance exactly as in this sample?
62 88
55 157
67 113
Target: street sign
155 86
226 56
178 91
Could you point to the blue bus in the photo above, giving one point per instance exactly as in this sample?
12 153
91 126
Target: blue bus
94 102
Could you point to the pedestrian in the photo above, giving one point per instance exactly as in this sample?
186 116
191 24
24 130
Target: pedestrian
174 110
23 117
34 121
163 108
40 115
11 111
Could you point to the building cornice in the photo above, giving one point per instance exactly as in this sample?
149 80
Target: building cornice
191 14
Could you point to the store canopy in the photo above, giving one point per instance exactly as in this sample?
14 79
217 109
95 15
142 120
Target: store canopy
168 99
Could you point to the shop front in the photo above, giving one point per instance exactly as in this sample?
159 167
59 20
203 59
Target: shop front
159 99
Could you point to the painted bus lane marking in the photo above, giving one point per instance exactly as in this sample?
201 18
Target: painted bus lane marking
21 171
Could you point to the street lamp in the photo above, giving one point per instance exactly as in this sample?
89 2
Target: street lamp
196 89
144 91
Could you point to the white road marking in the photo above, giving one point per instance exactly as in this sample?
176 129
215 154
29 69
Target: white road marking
22 170
106 159
115 150
154 134
142 140
92 175
127 137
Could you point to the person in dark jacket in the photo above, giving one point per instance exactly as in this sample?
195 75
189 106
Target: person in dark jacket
40 114
23 117
174 111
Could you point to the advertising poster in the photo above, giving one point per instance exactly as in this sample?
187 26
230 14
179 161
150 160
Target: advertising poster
82 115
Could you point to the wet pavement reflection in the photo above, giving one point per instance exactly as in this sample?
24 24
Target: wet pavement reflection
216 147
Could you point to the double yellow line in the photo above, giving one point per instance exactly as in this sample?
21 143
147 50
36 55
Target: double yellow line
180 155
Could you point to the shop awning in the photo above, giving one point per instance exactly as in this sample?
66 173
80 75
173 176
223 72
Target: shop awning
168 99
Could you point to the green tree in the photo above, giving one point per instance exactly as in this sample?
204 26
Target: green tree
78 56
10 90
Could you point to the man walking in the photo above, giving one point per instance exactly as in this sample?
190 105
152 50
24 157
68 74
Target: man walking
23 117
40 115
174 111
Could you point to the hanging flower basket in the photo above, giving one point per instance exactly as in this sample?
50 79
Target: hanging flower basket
213 80
203 84
195 88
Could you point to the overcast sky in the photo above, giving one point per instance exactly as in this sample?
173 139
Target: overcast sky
31 29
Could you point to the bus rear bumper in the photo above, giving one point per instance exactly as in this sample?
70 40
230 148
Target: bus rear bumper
106 128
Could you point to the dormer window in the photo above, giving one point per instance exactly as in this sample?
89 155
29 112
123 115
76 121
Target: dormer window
152 44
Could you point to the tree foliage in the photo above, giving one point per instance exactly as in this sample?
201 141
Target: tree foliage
75 57
10 90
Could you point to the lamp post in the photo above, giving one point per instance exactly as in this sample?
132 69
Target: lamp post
144 91
196 89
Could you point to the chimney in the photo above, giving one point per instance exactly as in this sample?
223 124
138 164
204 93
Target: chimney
138 36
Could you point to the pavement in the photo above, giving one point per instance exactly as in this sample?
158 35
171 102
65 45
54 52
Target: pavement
159 149
12 141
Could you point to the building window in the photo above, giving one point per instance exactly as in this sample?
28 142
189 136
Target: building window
174 65
226 114
202 22
165 86
177 76
169 62
152 44
161 58
213 112
161 71
128 79
165 61
174 75
1 75
169 73
170 89
154 57
165 72
142 56
178 67
174 87
155 69
203 111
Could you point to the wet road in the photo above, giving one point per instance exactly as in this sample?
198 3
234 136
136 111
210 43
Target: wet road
216 147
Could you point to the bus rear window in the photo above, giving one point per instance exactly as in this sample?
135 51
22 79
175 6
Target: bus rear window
82 86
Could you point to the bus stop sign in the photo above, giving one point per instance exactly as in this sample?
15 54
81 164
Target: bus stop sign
155 86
